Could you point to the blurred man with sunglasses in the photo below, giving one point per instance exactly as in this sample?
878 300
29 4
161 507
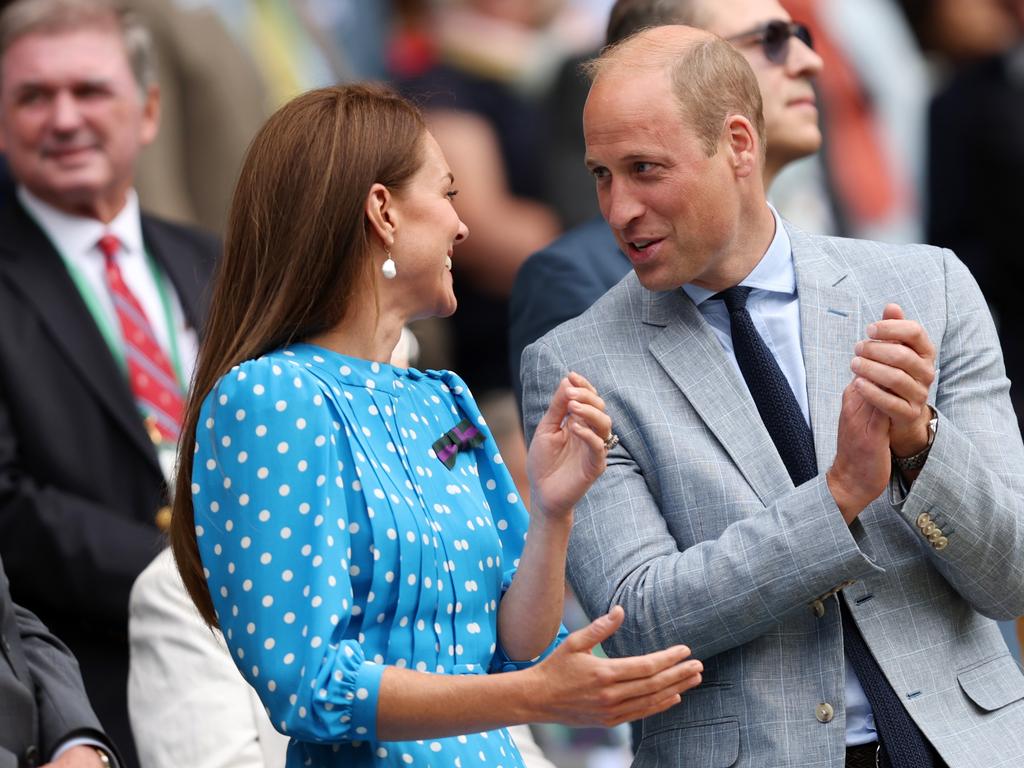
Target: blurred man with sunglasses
564 279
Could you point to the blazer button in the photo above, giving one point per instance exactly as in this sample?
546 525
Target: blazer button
32 756
824 712
923 519
819 608
941 543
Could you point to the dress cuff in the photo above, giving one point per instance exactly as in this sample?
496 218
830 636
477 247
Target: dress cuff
364 705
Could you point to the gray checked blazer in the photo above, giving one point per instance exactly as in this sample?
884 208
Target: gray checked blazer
697 531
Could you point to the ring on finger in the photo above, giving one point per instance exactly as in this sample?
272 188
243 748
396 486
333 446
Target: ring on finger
611 441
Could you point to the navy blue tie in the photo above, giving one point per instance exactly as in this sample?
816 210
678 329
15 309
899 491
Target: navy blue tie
772 394
902 742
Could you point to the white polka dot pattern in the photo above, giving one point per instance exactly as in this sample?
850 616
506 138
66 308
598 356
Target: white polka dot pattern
337 543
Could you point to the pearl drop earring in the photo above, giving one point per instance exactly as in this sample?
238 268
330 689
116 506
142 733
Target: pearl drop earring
388 268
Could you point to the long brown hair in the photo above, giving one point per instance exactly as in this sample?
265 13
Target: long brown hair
297 248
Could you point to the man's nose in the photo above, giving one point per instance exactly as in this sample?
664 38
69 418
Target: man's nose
802 61
67 116
620 206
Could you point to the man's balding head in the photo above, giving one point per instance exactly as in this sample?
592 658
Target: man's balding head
709 78
790 114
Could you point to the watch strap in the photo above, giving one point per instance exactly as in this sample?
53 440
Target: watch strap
909 463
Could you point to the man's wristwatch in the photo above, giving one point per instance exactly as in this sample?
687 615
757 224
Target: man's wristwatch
908 463
104 758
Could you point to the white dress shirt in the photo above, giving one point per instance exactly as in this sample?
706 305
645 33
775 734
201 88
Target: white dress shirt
76 239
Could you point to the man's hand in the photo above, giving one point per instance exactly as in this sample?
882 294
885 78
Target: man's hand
77 757
896 364
862 465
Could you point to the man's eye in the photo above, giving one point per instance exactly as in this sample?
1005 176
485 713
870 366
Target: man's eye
30 97
90 92
599 173
643 167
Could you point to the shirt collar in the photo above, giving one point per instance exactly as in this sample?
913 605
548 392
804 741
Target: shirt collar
774 272
75 236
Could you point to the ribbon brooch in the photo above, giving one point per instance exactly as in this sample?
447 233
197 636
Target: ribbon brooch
464 436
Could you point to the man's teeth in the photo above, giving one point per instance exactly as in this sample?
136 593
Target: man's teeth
642 246
448 262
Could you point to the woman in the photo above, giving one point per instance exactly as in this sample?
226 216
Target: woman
347 523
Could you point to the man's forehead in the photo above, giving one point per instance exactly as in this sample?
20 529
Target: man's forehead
630 125
622 91
730 17
76 55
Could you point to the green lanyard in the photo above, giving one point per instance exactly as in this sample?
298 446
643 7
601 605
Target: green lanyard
110 335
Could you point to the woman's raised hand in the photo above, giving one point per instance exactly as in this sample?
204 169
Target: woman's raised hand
568 450
575 687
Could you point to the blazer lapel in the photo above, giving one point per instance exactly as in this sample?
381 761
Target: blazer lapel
693 357
830 326
38 270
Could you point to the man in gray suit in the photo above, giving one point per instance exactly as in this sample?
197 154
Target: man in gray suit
44 712
844 616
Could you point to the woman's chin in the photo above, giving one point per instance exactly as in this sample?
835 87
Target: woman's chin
449 308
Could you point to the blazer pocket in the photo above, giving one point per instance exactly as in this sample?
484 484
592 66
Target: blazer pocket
708 744
994 683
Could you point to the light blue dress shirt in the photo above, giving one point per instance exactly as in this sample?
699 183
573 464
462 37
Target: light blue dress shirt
775 310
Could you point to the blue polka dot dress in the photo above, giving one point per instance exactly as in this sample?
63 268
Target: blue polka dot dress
336 542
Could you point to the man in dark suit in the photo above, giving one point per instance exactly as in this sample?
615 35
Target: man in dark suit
100 308
561 281
44 712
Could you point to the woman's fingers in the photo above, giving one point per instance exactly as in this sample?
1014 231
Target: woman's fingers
672 678
588 436
578 380
600 629
657 700
590 418
641 667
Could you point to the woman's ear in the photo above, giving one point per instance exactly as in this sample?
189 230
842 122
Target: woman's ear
380 212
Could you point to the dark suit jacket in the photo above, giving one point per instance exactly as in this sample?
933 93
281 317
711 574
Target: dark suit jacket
559 283
42 700
79 479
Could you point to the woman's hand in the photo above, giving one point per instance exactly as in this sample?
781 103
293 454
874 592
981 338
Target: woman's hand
567 453
576 687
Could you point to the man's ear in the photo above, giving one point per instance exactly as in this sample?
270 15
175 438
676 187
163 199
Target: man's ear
150 116
381 214
741 142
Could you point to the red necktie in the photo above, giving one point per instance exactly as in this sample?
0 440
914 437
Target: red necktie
152 378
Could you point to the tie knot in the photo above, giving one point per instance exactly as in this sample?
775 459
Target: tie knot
109 245
735 298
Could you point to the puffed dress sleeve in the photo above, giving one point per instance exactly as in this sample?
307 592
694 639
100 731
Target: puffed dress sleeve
272 508
511 518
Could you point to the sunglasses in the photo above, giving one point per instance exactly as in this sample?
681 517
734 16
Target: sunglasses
774 38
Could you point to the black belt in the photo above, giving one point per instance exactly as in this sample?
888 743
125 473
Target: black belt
866 756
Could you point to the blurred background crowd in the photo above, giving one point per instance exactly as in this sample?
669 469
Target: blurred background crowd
921 101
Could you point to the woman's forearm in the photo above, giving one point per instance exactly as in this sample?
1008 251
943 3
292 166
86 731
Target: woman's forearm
530 612
417 705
